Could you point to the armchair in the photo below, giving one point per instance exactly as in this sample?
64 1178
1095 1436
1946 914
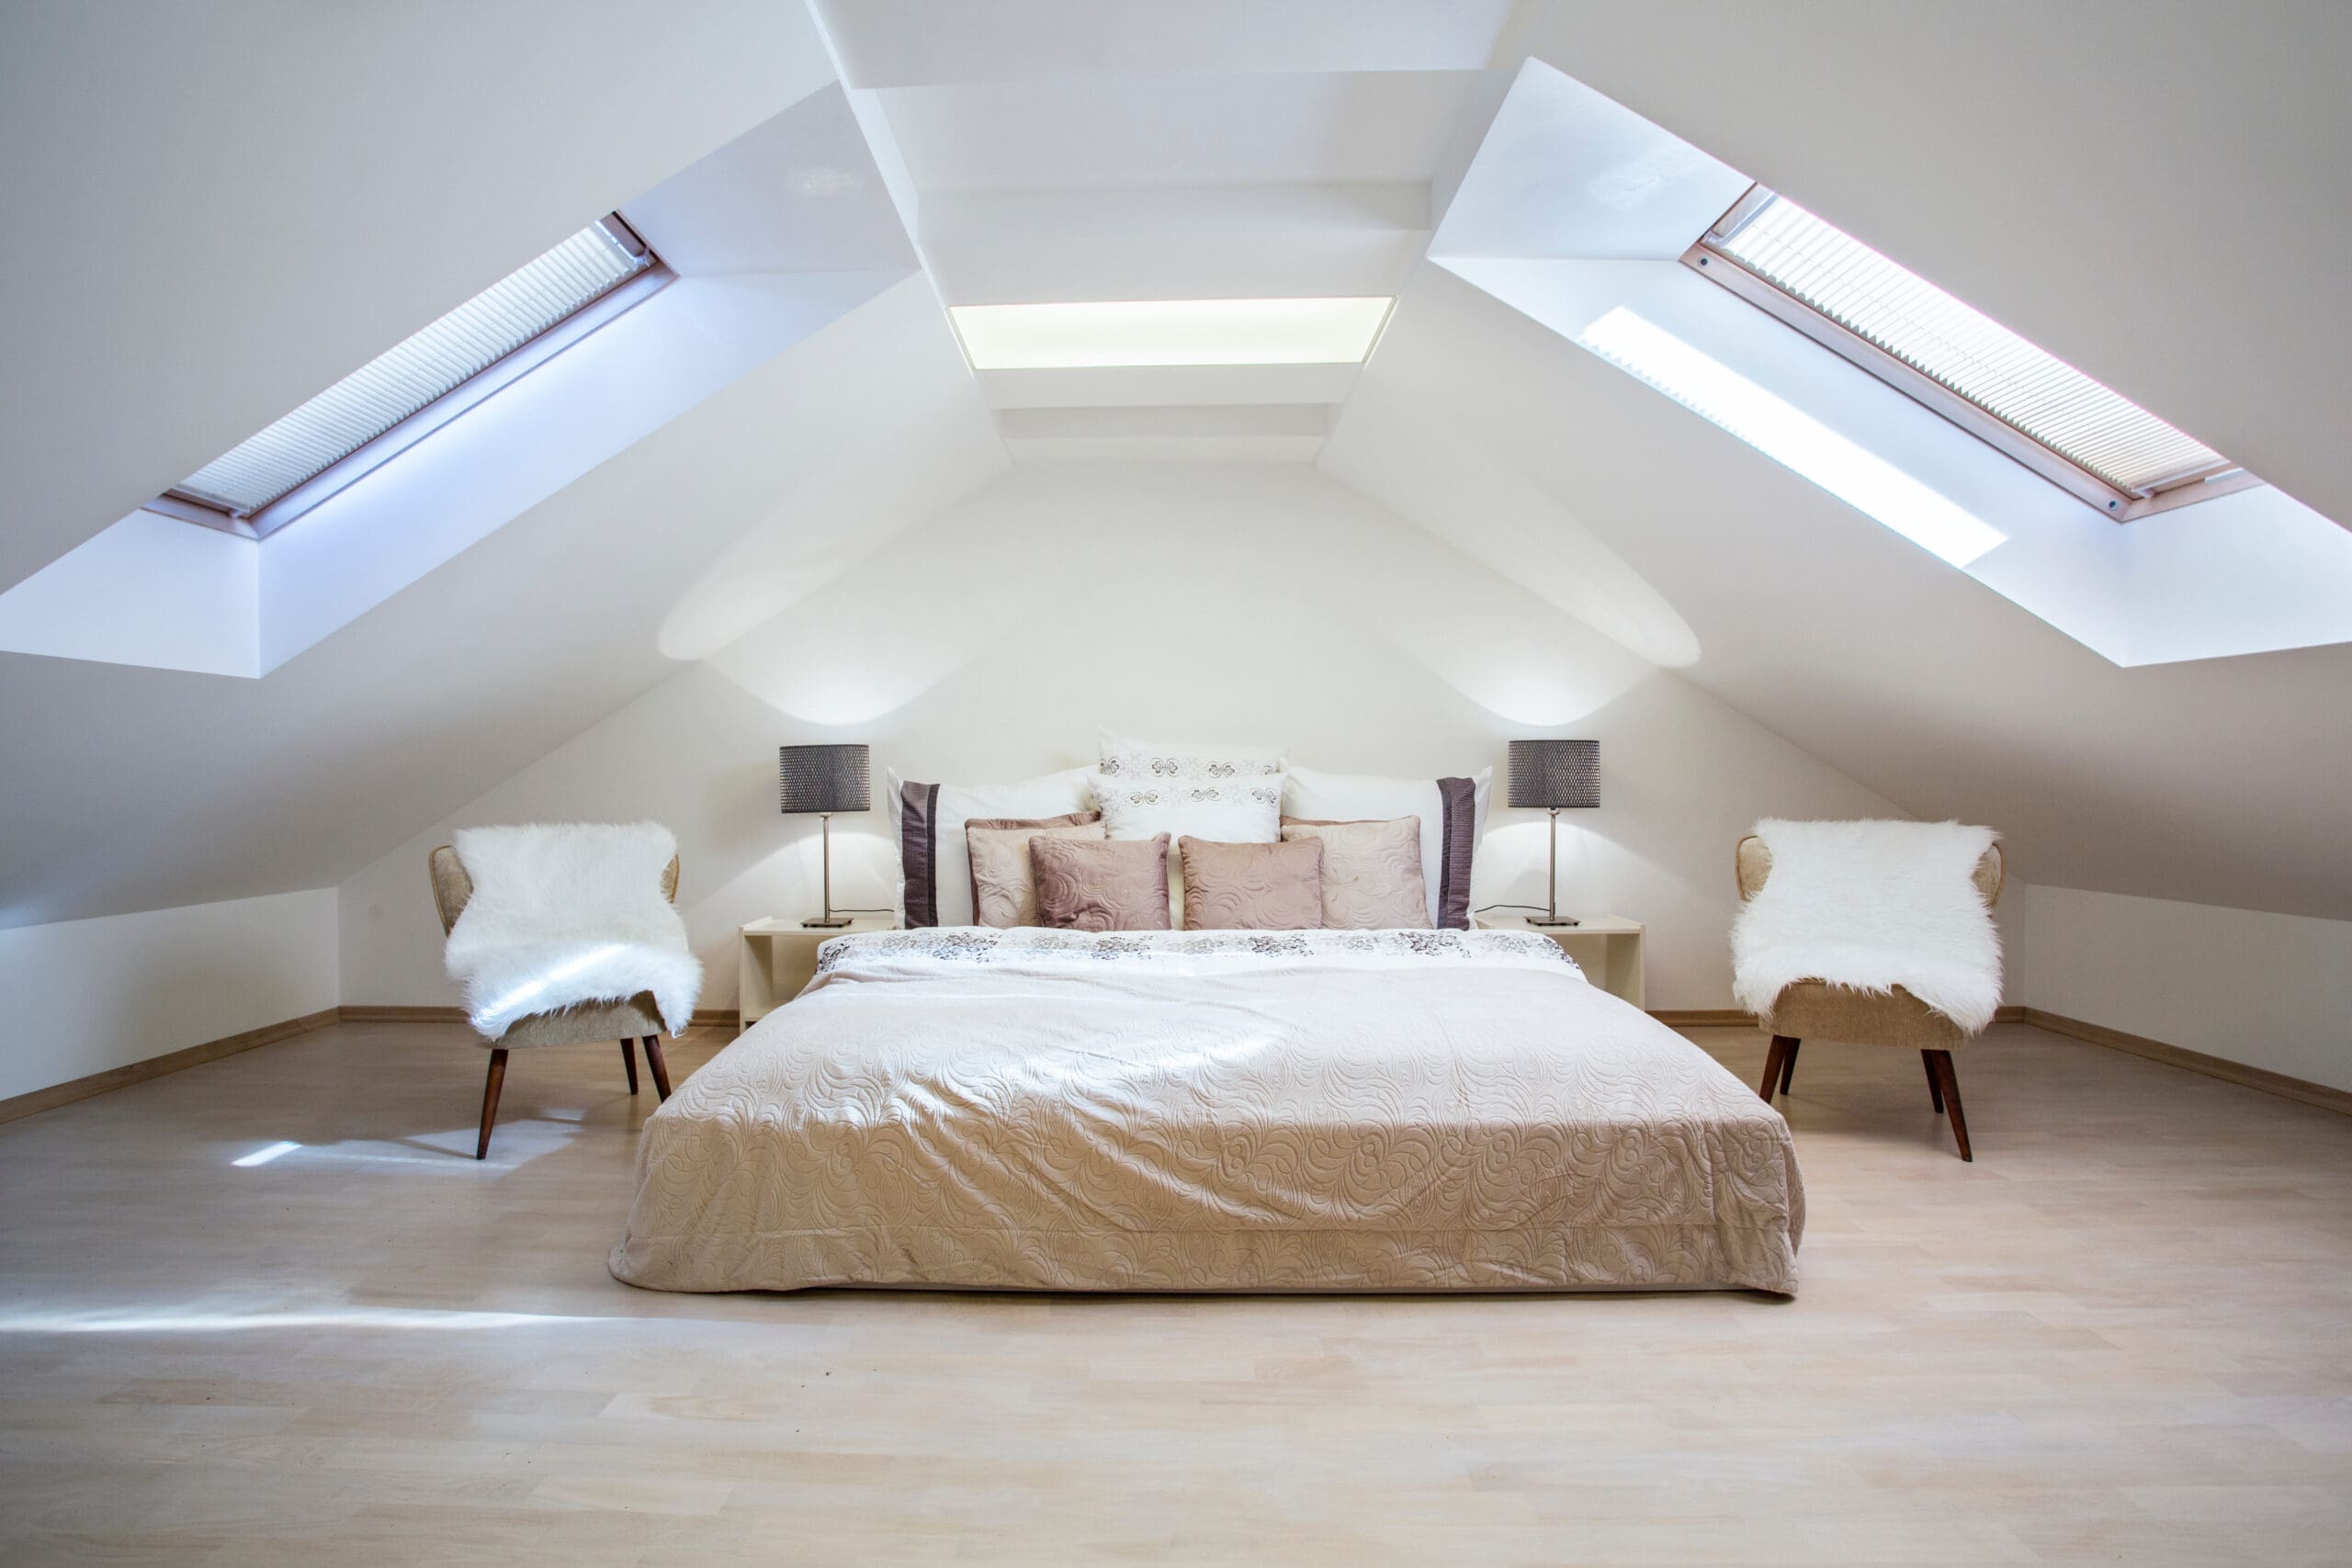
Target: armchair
634 1020
1816 1010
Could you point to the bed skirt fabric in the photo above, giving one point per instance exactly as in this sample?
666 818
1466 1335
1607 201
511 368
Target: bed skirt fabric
1388 1110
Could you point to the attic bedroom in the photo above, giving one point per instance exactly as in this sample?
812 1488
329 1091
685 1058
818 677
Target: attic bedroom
1391 781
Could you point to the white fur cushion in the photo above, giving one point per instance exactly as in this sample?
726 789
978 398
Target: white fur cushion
566 913
1872 906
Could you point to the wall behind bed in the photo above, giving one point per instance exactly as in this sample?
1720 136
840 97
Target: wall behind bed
1183 600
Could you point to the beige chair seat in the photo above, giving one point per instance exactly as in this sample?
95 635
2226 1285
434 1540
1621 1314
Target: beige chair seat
1815 1010
635 1022
630 1019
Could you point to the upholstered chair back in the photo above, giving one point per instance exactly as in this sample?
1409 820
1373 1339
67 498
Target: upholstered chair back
452 888
1755 863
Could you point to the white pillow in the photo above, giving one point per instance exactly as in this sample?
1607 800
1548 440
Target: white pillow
1230 811
1126 759
938 834
1450 834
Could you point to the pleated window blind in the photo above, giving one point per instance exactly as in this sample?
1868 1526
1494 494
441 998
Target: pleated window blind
404 379
1961 349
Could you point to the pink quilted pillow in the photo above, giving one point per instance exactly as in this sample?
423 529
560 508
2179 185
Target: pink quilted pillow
1253 887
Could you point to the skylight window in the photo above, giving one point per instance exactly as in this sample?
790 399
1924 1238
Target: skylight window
1108 334
411 390
2094 442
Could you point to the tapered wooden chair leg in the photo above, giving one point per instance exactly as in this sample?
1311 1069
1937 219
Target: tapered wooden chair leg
1789 1066
1935 1089
489 1100
661 1069
1775 1061
1950 1080
628 1060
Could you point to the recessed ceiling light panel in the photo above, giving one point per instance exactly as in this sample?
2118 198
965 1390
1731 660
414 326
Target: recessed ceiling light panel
1103 334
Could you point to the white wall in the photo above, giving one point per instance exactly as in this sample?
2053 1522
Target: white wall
1185 601
86 995
2269 990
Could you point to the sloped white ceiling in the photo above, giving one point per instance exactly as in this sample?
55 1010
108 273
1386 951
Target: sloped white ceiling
216 210
227 207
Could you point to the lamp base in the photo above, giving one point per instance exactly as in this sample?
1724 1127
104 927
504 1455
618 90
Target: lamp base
824 923
1554 920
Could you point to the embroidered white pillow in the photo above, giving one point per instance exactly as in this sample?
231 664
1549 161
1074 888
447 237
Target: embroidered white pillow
1230 811
1127 759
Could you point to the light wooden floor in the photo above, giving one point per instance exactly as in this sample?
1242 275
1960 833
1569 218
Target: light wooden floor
2123 1336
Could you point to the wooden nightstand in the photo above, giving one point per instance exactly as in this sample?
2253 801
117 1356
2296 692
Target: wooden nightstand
775 958
1607 948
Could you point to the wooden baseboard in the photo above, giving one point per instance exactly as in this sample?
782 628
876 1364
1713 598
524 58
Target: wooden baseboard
2308 1093
124 1077
402 1015
2321 1095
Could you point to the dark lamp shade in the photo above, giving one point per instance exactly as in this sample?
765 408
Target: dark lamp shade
825 778
1554 773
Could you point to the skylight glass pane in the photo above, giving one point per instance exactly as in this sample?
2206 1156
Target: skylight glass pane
404 379
1966 351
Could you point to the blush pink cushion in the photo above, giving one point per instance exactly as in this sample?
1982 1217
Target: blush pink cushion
1253 887
1004 890
1101 885
1372 872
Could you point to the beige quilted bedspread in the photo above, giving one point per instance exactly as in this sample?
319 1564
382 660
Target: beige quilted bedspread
1333 1111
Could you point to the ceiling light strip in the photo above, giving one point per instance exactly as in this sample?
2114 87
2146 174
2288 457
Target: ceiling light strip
1119 335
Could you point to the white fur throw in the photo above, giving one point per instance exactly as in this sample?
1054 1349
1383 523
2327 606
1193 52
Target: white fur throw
1872 905
567 913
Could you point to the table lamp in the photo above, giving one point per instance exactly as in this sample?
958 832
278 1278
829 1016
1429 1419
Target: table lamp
1554 775
825 779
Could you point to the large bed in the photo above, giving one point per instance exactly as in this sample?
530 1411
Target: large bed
1212 1110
